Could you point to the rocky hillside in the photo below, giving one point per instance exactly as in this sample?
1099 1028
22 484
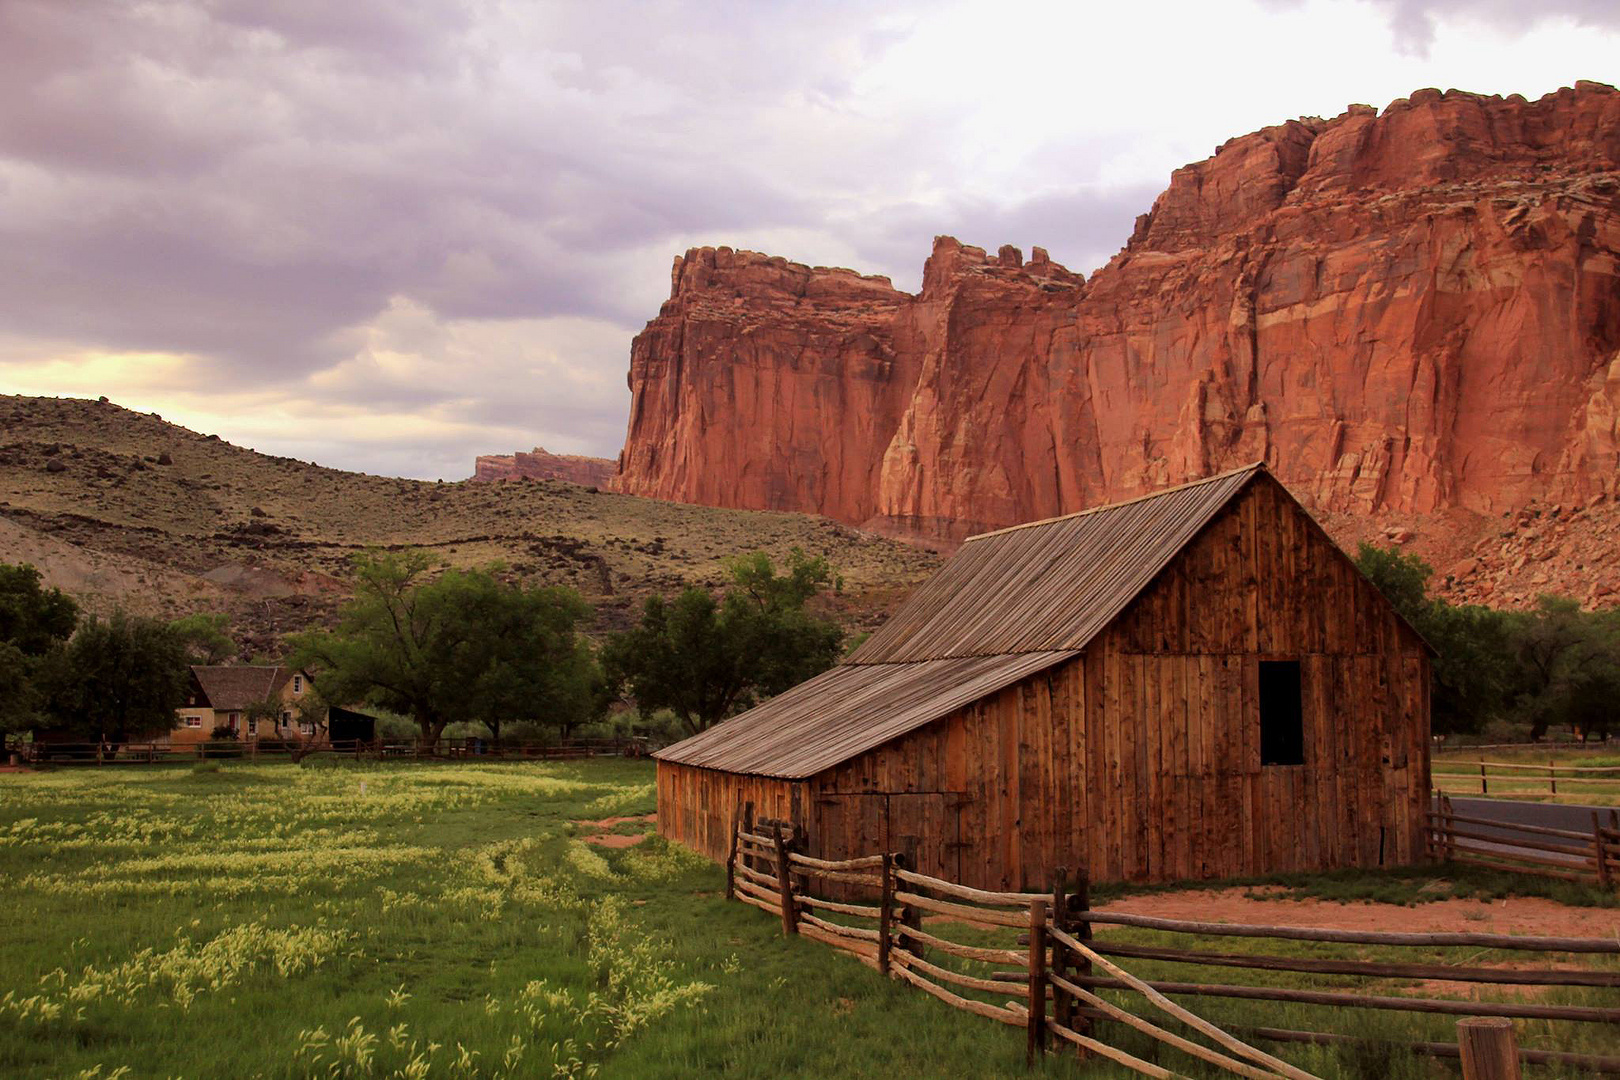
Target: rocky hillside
1412 314
123 507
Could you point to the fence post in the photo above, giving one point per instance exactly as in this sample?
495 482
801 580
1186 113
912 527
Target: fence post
1483 788
1552 776
1600 850
1082 931
1488 1049
909 915
1451 838
1037 982
1062 1003
886 913
731 856
784 884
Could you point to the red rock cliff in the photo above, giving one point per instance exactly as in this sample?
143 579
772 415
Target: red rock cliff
1409 312
543 465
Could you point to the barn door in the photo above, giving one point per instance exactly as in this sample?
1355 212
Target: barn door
847 826
924 828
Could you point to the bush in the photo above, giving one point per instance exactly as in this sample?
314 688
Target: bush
223 748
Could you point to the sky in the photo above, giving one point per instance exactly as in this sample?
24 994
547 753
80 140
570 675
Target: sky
391 235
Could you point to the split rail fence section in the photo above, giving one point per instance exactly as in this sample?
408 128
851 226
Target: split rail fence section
1524 780
1567 854
1031 960
151 753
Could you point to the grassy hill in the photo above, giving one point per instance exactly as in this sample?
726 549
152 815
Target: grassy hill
121 507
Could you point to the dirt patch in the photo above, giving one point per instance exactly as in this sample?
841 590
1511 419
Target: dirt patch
610 822
615 840
1513 915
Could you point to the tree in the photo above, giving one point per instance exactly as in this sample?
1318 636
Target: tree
1473 667
1565 659
705 659
33 619
117 679
462 646
204 638
34 622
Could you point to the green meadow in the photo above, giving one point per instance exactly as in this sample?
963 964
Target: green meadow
408 921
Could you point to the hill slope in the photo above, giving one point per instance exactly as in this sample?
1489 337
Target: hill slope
122 507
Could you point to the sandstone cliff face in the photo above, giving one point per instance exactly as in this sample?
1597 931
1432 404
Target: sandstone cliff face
543 465
1412 312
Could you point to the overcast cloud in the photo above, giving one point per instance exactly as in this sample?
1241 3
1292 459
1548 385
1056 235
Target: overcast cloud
393 235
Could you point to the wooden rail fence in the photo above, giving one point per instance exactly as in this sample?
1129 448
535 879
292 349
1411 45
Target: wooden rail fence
1524 780
1048 970
149 753
1566 854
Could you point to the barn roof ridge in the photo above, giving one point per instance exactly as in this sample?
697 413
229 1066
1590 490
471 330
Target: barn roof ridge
1253 466
1054 586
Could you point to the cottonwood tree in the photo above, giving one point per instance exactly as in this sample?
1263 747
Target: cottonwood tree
204 636
117 679
34 623
459 646
706 658
1473 669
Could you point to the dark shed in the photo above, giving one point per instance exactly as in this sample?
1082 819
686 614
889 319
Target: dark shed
1196 683
349 725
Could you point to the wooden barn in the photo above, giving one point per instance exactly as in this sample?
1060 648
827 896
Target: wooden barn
1197 683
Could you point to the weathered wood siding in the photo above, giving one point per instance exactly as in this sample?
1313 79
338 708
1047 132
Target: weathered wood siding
1140 760
695 805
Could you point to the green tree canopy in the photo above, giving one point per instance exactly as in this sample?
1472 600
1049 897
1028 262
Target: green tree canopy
1473 666
705 659
459 646
204 637
33 619
117 679
34 622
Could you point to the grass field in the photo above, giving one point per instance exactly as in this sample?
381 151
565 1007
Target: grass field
1457 773
448 920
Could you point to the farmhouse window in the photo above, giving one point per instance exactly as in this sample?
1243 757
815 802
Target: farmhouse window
193 721
298 684
1282 714
253 725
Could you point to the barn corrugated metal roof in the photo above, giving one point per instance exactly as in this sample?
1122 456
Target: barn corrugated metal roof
1049 584
847 711
1009 604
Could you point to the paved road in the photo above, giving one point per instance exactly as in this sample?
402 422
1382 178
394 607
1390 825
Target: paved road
1548 815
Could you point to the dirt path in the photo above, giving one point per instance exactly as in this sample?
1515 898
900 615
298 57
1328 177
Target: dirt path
1515 915
605 839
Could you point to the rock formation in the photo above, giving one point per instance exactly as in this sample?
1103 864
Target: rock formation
1412 312
540 464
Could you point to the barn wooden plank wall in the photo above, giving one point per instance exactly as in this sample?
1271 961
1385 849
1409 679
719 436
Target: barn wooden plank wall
1140 759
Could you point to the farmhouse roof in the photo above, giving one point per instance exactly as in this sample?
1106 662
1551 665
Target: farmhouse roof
1009 604
236 686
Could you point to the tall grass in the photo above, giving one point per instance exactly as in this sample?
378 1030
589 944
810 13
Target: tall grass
419 921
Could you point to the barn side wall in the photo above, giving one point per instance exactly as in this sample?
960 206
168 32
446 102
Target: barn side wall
1140 760
695 806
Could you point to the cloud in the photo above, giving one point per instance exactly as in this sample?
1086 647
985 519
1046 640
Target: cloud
397 233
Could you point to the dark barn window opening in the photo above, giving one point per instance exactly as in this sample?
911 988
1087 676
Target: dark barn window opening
1282 714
